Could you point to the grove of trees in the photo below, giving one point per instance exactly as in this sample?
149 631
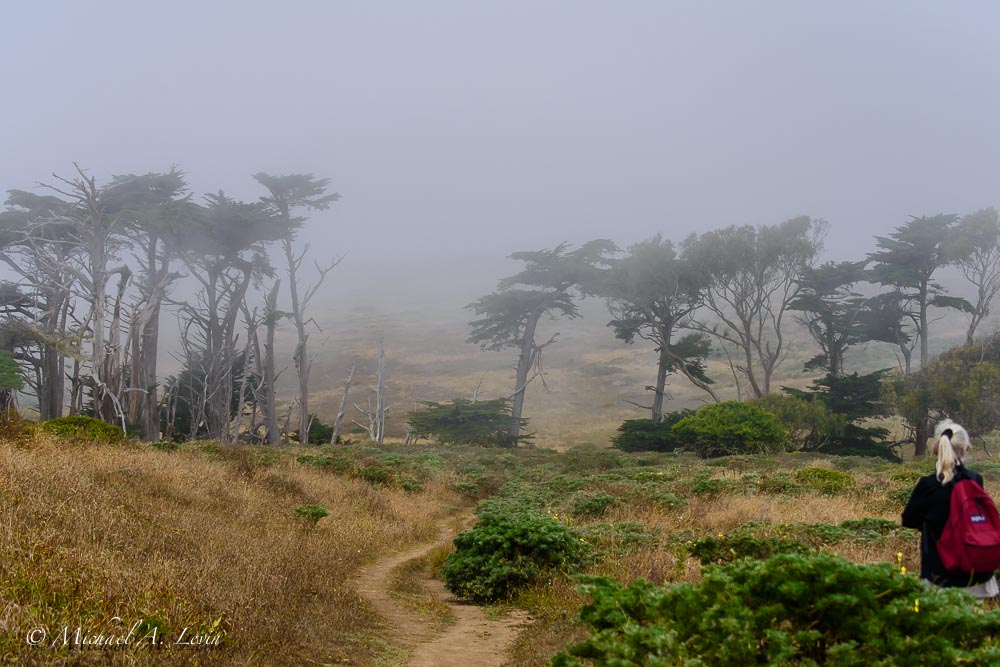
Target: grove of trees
96 266
731 293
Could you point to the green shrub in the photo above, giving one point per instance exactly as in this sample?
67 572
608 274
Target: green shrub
763 540
505 552
592 504
375 474
731 427
707 487
827 481
656 495
727 549
411 484
80 428
809 423
645 435
335 464
311 513
618 540
779 483
165 446
465 422
466 489
872 525
794 609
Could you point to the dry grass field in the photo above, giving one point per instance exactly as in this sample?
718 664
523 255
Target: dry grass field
203 540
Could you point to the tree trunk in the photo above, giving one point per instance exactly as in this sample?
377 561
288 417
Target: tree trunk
301 355
271 432
923 325
380 408
921 435
149 413
50 388
524 362
343 404
660 389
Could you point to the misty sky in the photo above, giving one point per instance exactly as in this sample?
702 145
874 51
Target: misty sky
458 132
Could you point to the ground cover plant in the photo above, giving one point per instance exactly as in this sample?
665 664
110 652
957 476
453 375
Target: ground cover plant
508 550
792 608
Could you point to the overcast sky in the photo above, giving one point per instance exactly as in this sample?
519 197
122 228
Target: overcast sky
458 132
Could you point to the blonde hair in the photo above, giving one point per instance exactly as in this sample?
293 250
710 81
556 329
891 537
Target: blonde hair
951 444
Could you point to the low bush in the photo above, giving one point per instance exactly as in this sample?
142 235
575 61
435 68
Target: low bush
731 427
375 474
797 609
465 422
341 466
592 505
165 446
505 552
619 539
411 484
79 428
726 549
826 481
650 435
311 513
779 483
763 540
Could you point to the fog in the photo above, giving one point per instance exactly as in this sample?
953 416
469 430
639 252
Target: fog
459 132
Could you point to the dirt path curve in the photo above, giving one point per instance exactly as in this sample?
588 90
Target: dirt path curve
472 641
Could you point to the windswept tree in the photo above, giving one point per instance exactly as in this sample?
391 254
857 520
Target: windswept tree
896 322
907 260
834 314
974 248
39 329
157 214
754 277
88 253
652 293
289 194
225 253
549 284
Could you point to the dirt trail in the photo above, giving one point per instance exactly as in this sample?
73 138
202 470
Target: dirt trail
472 641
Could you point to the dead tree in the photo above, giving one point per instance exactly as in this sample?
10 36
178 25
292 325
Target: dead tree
343 406
375 415
272 435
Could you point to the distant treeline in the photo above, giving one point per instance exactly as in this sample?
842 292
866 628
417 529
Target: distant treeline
734 289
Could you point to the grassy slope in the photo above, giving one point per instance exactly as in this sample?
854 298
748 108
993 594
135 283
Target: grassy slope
187 538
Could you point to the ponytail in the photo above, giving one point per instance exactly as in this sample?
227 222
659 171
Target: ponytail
946 458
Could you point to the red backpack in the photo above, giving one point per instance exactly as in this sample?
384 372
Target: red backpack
970 542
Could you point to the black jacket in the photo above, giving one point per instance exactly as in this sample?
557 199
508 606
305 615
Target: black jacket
927 511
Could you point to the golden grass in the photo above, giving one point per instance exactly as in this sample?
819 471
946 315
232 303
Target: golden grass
183 540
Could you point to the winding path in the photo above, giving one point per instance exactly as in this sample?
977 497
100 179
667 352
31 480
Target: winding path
473 640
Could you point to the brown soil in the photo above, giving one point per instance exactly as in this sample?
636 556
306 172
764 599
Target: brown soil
473 640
